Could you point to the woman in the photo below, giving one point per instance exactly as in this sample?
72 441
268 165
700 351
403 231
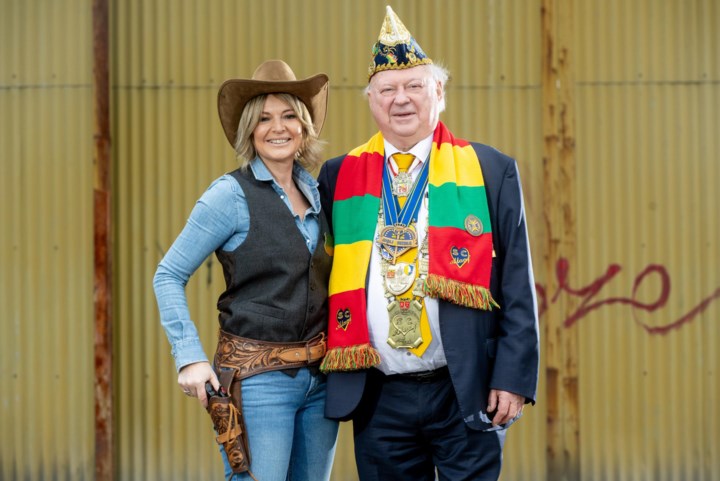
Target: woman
263 222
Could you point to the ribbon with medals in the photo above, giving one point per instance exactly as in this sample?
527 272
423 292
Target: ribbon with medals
398 236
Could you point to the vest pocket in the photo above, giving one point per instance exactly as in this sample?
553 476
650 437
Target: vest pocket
262 309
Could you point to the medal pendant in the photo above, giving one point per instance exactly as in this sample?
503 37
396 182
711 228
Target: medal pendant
424 265
401 184
395 240
405 324
400 277
418 290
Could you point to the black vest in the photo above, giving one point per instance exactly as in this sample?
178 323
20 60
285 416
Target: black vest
275 289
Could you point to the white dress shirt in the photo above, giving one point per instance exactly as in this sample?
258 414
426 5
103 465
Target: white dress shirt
394 361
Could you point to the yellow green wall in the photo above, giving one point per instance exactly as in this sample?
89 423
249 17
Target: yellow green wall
644 107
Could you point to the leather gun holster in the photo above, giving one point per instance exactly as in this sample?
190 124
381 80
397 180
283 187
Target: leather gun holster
237 358
227 417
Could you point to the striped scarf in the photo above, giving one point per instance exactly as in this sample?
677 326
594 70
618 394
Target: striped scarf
459 240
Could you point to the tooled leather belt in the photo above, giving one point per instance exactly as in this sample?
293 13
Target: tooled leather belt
249 356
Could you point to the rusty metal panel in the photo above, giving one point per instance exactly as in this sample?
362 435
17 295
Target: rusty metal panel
46 304
647 280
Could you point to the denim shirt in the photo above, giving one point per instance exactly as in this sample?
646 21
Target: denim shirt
219 220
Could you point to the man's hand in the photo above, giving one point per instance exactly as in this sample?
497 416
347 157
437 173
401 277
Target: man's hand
507 404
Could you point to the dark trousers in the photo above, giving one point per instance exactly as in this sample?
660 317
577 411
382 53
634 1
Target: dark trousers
406 428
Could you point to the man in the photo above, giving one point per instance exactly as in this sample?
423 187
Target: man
433 335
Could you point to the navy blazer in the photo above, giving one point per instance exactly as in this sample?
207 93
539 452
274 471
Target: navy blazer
485 350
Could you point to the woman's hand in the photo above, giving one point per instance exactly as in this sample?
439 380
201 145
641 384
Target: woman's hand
192 379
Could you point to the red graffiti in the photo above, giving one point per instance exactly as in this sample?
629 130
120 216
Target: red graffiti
590 300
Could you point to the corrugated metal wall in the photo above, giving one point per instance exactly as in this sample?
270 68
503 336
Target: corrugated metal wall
648 103
645 278
46 304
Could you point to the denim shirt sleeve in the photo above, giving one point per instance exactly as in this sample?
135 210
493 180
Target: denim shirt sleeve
220 218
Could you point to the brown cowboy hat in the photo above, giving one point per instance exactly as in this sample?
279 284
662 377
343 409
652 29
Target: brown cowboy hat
271 77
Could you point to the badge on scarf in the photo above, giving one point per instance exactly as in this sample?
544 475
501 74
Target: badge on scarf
460 256
343 318
473 225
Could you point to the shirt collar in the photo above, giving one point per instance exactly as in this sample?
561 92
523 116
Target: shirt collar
421 150
305 182
260 170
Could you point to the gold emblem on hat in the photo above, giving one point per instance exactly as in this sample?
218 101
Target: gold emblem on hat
393 31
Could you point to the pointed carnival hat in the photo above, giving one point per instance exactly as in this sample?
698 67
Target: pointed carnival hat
271 77
395 49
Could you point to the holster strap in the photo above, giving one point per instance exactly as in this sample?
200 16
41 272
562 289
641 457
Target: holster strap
249 356
229 434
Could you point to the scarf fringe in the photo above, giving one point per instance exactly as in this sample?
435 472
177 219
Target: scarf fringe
461 293
350 358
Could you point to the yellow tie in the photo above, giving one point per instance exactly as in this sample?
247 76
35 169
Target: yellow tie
404 161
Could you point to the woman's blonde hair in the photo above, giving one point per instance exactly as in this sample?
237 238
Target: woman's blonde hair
309 154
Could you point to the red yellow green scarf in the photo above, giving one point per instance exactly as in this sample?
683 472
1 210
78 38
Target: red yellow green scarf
459 242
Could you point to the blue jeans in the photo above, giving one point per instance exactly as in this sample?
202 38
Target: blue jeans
290 438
